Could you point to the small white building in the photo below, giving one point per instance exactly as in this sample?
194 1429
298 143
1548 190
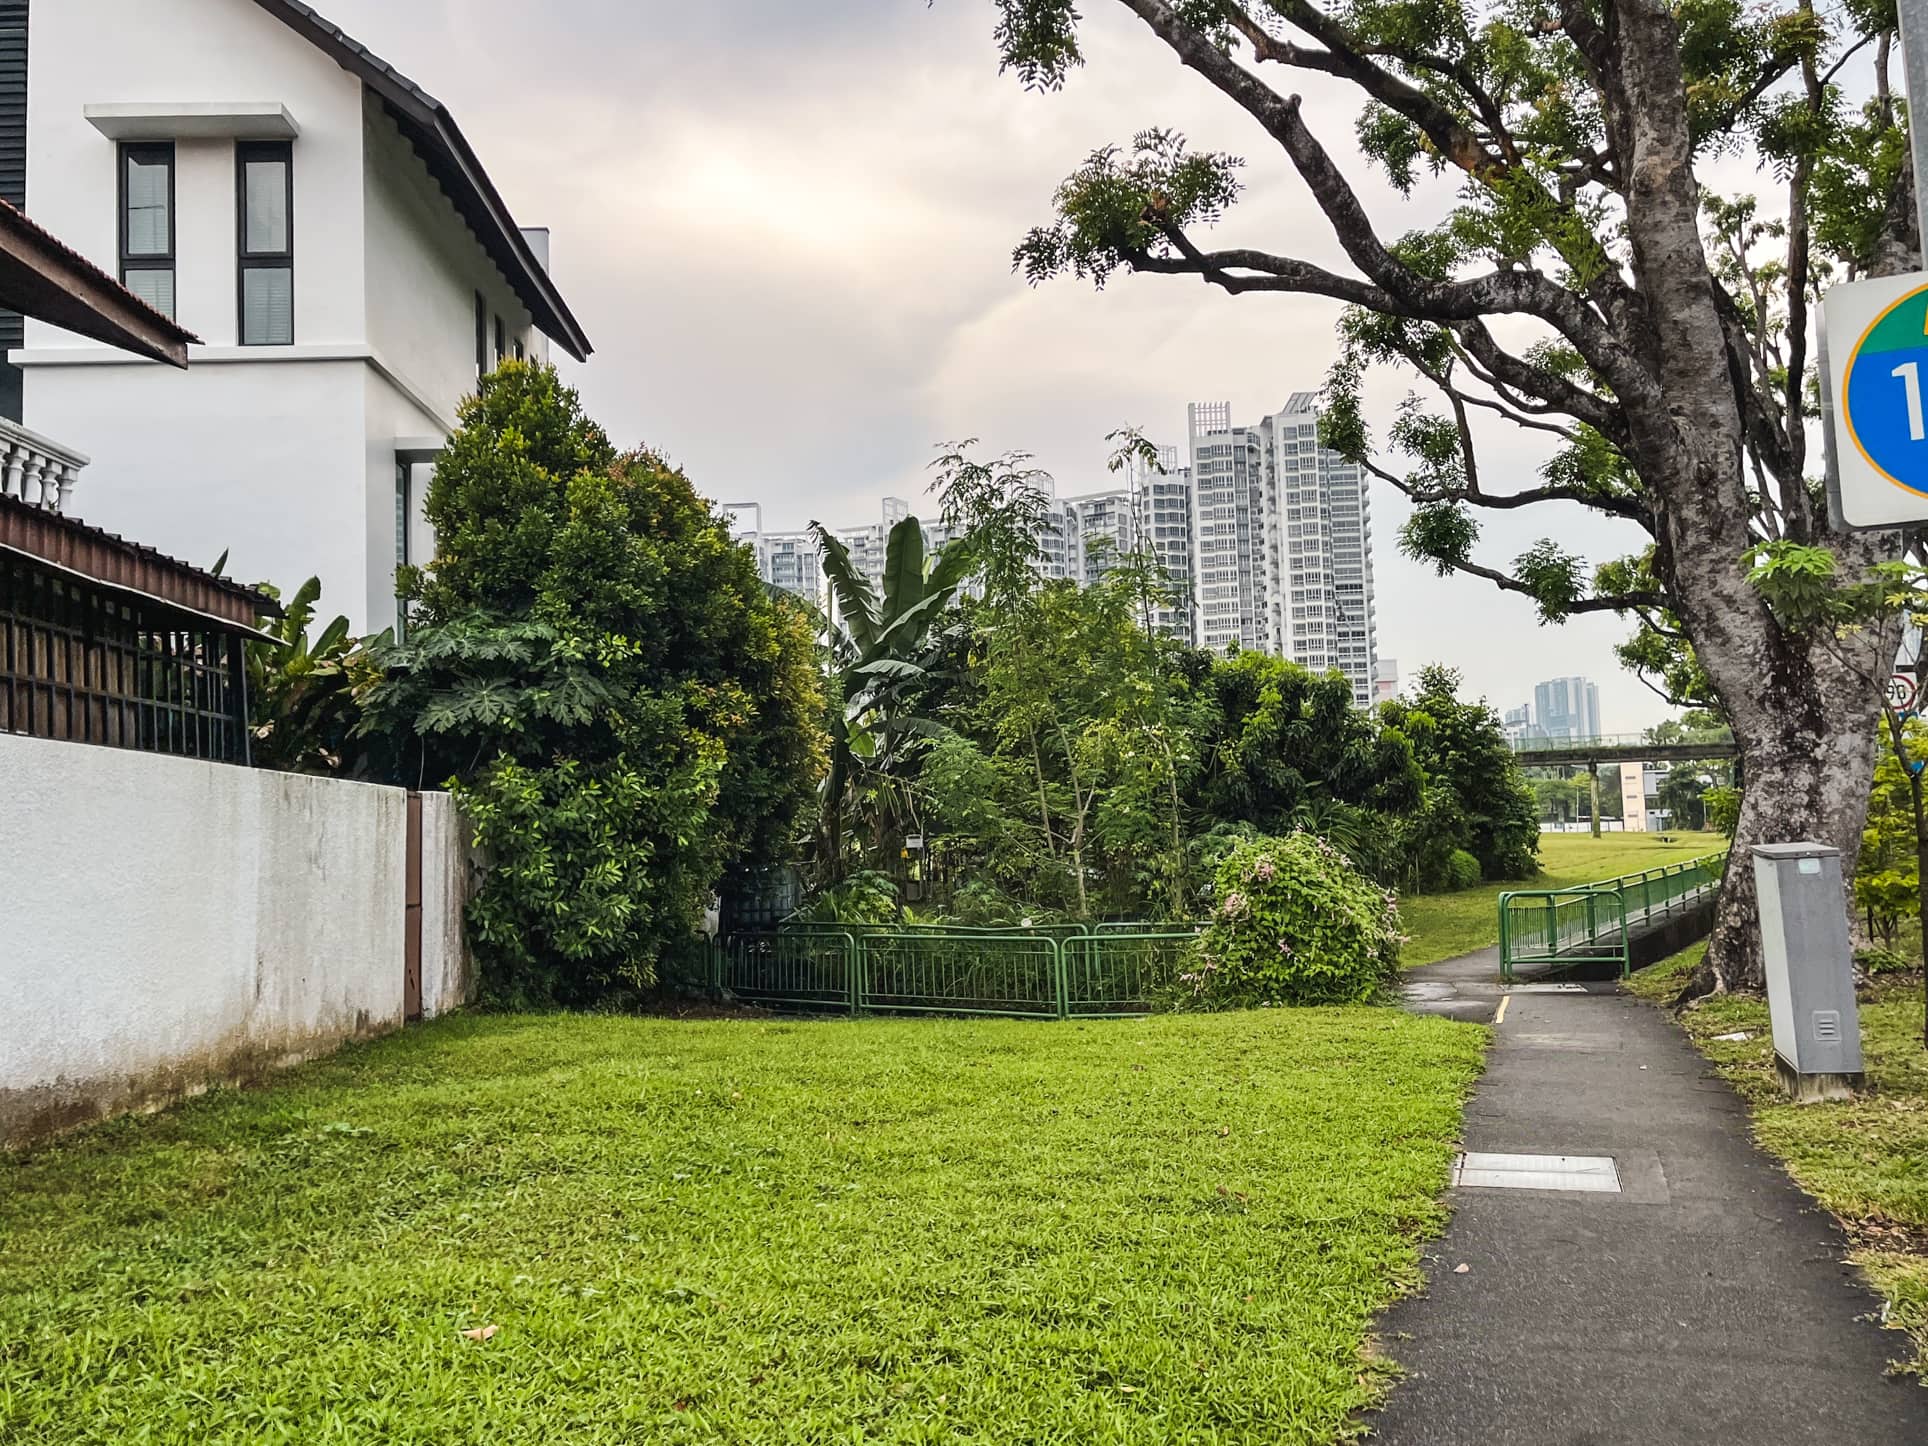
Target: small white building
321 224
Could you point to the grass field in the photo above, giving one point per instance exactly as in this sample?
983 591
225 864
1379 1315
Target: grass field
1444 926
601 1230
1865 1159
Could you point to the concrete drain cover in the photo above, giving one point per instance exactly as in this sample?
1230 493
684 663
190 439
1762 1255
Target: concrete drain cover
1593 1174
1547 989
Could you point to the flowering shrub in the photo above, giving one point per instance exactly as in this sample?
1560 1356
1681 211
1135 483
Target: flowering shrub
1295 923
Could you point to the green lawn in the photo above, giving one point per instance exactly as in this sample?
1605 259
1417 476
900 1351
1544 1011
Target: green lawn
1444 926
1865 1159
1174 1229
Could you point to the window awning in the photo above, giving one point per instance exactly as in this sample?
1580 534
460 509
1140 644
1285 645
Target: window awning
264 120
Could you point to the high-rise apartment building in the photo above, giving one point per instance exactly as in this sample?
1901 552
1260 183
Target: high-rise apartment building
1100 528
1566 708
792 561
1228 529
1282 543
1264 536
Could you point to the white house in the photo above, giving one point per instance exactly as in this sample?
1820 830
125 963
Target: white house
323 227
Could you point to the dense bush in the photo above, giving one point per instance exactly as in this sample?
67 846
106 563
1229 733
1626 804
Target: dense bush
1294 922
1462 870
1476 799
596 668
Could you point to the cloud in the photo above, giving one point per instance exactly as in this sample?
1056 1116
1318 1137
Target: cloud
787 226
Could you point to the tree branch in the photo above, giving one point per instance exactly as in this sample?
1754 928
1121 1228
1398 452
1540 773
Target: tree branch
1515 291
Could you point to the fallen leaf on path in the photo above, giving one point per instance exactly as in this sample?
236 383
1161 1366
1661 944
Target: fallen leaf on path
480 1333
1462 1270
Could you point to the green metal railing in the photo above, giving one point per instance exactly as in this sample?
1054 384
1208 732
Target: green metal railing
1595 923
1051 972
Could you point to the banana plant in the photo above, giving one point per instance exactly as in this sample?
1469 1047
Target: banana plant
301 701
884 646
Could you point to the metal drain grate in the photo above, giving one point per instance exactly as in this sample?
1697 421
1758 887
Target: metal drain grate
1587 1174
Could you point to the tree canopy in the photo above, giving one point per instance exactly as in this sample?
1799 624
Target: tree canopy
597 669
1583 286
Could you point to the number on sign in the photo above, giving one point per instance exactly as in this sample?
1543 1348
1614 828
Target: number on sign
1901 692
1910 374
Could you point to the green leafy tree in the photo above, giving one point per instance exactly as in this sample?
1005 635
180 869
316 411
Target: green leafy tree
1683 795
304 709
1583 287
596 668
1079 697
884 649
1287 749
1476 798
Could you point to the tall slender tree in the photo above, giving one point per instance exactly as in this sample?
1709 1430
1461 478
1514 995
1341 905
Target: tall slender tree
1584 287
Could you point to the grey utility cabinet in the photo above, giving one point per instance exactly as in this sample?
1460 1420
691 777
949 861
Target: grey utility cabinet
1810 969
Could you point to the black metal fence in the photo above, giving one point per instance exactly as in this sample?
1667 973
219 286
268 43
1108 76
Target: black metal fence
87 664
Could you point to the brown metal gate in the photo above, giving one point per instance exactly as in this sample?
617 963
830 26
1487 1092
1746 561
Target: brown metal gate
412 966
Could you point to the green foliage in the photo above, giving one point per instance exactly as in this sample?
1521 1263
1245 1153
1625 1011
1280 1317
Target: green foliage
598 671
1877 961
884 651
303 709
1887 878
1119 207
866 897
1475 799
582 896
1284 748
1462 870
1294 922
1723 806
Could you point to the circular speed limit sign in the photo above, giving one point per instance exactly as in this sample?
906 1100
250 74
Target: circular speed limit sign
1901 692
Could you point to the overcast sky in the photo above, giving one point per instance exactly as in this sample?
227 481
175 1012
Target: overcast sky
787 227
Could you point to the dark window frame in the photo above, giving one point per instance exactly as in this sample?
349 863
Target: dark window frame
244 152
404 526
147 153
481 336
501 341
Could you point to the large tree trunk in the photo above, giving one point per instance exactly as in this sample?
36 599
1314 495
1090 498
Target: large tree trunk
1803 783
1805 722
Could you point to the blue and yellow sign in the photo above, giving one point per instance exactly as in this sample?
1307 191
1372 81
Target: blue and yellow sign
1876 336
1882 412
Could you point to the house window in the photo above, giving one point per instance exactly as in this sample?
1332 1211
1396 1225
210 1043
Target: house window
147 223
481 335
266 197
404 515
501 341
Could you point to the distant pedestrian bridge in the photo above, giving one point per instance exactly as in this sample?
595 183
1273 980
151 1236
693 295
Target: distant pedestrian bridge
1621 748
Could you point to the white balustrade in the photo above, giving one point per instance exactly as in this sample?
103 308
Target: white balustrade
35 469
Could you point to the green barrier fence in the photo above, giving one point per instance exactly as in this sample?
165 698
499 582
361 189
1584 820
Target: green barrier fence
1595 923
1052 972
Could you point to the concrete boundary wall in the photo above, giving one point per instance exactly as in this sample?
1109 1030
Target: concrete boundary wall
451 872
167 925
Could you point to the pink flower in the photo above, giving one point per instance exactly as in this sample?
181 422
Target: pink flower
1235 905
1266 870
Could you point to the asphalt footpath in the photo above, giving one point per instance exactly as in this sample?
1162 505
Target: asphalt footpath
1706 1299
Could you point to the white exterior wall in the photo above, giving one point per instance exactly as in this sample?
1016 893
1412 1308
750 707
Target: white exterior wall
283 456
202 923
91 52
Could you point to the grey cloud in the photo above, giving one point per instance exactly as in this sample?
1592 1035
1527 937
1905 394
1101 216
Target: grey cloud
787 226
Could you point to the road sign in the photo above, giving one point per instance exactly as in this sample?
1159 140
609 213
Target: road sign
1875 361
1902 689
